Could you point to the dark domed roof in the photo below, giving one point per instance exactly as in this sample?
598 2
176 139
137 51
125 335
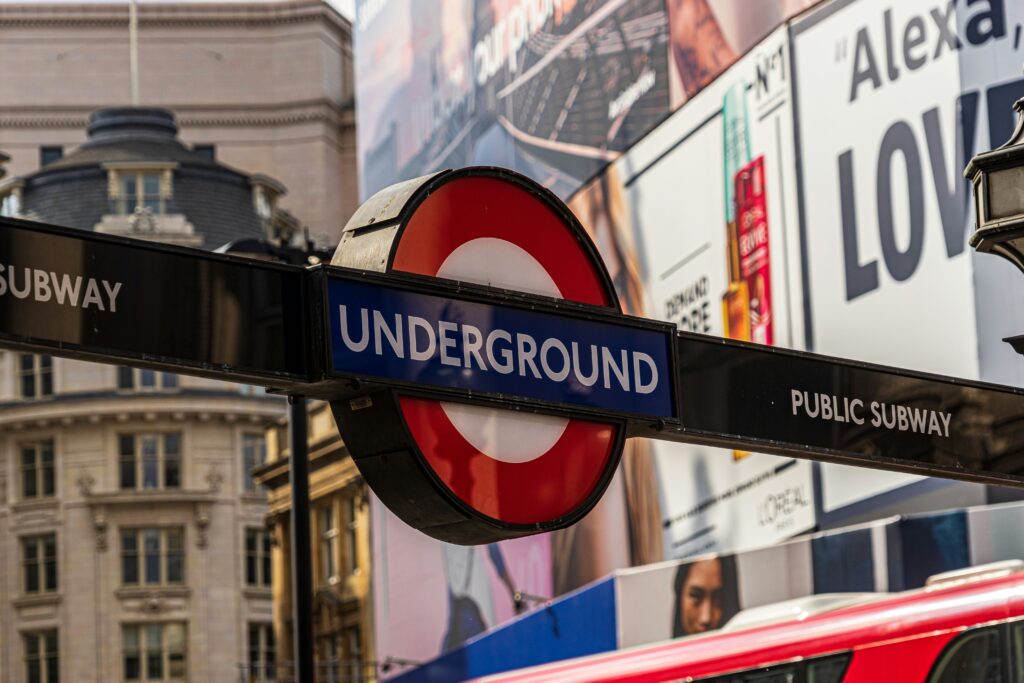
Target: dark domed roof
131 134
215 199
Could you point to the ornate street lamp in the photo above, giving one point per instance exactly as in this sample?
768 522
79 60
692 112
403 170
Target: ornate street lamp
998 179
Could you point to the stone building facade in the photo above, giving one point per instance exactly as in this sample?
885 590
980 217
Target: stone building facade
109 578
133 539
342 563
261 86
103 468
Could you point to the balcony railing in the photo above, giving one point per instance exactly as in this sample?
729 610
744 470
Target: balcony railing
327 671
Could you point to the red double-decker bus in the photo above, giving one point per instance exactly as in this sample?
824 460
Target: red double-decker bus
963 627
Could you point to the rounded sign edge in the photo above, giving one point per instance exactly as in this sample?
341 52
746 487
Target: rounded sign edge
398 472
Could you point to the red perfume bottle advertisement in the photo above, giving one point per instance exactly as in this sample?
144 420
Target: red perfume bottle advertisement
754 253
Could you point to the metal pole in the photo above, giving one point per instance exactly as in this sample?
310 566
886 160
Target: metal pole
133 50
302 571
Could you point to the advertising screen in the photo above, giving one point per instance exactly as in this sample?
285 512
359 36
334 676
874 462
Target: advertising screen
915 88
692 219
797 186
555 89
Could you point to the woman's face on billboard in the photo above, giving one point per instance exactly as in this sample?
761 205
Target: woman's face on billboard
702 597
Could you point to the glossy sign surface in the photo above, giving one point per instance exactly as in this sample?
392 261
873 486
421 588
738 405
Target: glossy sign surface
408 336
133 301
810 405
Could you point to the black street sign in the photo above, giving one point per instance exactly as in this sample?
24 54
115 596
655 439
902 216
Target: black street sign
805 405
116 300
430 378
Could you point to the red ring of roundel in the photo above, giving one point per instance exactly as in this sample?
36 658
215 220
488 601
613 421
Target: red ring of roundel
561 480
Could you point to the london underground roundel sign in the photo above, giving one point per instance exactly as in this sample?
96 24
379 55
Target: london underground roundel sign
461 472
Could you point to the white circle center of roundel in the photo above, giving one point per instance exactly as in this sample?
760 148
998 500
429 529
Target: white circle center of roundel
504 435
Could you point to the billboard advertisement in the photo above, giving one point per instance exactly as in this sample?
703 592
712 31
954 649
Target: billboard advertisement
555 89
702 594
551 88
910 91
798 187
431 597
692 222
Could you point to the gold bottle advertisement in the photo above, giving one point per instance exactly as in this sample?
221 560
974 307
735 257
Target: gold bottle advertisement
736 155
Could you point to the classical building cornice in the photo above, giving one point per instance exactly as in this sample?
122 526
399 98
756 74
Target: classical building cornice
192 116
134 408
183 14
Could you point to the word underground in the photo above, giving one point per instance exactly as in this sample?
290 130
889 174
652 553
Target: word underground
501 351
45 285
891 416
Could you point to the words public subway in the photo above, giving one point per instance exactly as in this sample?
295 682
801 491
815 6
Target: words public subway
881 414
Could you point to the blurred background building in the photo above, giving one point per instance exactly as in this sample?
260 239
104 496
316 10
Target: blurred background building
262 86
132 535
342 560
132 531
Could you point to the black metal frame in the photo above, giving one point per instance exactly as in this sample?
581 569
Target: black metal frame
689 433
250 375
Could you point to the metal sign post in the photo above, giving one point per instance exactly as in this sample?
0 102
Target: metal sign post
302 570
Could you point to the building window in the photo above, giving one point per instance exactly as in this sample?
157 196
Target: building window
39 563
35 375
145 380
264 206
38 478
10 203
42 657
354 655
138 189
206 151
341 655
328 545
262 653
150 461
154 652
331 652
257 557
350 558
48 155
152 556
254 454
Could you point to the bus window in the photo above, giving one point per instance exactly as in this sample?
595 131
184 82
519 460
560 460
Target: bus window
973 657
773 677
1018 652
774 674
827 669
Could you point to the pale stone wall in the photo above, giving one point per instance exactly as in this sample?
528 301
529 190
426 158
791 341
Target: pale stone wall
89 510
270 84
